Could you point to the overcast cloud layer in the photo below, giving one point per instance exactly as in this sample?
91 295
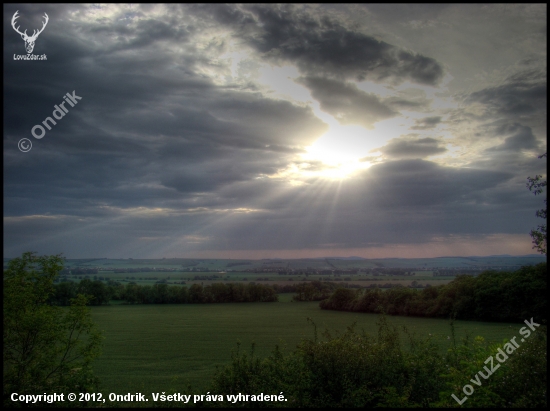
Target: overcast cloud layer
258 131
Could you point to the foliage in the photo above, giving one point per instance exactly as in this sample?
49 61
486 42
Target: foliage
491 296
358 370
313 291
197 294
519 381
536 185
348 370
523 384
133 293
46 348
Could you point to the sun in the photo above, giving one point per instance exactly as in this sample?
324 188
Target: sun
340 152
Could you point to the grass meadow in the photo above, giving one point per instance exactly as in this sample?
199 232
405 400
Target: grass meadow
155 348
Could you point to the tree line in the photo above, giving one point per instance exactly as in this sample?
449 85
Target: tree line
491 296
314 290
100 293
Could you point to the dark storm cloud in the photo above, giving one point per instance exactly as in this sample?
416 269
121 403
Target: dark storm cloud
419 182
413 148
320 45
267 122
400 103
405 185
239 166
350 105
346 102
523 93
521 138
229 119
424 198
145 33
426 123
512 116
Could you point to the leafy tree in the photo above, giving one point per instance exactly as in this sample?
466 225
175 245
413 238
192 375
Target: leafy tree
97 292
536 185
160 292
131 293
196 294
64 292
47 348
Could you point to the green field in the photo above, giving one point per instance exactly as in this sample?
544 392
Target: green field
154 348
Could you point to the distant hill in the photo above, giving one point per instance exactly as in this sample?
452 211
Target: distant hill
492 256
530 255
502 256
496 256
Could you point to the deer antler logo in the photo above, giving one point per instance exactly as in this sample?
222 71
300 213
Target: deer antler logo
29 40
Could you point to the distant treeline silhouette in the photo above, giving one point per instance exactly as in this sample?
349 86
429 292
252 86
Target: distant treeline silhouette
133 293
491 296
162 293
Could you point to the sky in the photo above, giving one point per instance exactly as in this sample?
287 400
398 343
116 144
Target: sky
273 131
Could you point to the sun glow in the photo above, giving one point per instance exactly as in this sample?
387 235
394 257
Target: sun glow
338 153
